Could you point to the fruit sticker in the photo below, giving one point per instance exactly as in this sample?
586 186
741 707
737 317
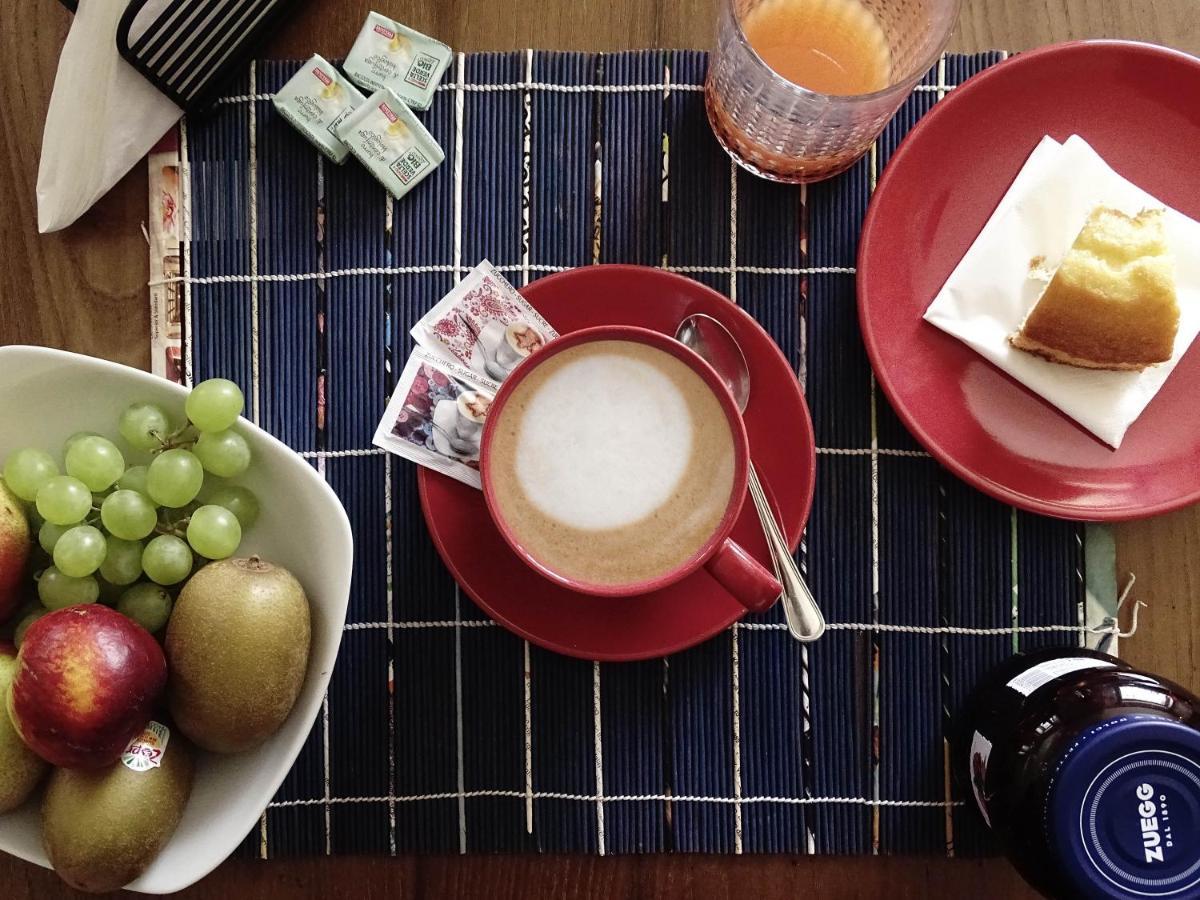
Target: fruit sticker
145 752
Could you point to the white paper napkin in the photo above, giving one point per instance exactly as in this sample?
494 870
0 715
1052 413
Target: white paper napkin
991 290
103 118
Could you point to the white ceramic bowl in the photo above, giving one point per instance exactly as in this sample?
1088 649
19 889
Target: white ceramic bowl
45 396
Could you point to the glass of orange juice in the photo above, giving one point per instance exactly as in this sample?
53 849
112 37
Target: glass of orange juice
798 89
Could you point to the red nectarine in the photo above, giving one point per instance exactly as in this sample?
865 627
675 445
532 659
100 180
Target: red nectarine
87 681
14 550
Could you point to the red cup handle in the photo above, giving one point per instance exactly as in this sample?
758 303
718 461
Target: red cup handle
744 577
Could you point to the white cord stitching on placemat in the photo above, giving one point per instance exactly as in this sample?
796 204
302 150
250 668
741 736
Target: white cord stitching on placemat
557 89
626 798
336 454
580 88
460 769
252 225
875 567
243 98
328 798
563 89
524 86
871 451
465 623
597 724
255 408
185 251
459 115
523 267
734 649
965 631
389 220
526 250
598 739
831 451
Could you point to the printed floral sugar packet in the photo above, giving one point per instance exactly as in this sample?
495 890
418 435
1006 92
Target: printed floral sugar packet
436 416
484 324
390 55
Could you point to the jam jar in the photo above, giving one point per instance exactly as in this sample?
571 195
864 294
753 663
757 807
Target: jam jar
1088 773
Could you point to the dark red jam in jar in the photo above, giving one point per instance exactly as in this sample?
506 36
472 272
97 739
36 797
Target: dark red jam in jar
1088 772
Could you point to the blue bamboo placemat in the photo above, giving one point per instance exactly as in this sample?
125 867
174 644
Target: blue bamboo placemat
442 732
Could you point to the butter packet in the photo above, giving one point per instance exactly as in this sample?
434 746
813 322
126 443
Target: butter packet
390 55
316 100
387 138
436 416
484 324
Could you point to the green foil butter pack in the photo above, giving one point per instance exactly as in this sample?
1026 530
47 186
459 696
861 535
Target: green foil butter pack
389 140
316 100
394 56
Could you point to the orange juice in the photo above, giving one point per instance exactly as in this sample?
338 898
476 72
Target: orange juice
797 90
828 46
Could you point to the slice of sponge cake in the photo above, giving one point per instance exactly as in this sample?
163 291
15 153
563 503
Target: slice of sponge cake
1111 302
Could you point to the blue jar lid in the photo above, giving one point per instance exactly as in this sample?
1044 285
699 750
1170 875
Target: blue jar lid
1123 809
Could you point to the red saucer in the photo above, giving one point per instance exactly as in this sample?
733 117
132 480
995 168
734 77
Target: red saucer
1136 105
686 613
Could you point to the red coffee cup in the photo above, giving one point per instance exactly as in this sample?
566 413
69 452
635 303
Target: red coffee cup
733 567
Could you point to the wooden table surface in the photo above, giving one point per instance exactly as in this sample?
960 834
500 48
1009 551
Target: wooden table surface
85 290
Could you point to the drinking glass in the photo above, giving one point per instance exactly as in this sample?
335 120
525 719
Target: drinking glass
784 132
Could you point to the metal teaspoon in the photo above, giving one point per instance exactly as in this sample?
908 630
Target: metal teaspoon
713 343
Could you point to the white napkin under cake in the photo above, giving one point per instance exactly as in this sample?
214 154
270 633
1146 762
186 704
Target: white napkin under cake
989 293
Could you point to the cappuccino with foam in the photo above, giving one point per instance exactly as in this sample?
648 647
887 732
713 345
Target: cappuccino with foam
612 463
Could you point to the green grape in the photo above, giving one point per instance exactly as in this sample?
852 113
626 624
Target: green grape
175 515
123 564
174 478
147 604
215 404
214 532
110 593
75 438
96 462
238 500
143 425
128 515
64 500
27 470
224 453
80 551
134 479
49 534
14 619
167 560
58 591
23 625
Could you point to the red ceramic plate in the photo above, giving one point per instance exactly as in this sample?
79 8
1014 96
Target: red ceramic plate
686 613
1138 106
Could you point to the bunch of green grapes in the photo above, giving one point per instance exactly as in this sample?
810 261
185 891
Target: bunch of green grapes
125 534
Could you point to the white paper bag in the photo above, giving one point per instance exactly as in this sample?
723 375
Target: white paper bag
103 118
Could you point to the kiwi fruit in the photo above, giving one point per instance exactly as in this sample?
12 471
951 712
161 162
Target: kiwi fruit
102 828
20 768
237 648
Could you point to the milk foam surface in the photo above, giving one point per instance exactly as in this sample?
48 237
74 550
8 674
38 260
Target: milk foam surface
604 442
612 463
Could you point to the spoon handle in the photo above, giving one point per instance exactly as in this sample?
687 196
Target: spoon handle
804 618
